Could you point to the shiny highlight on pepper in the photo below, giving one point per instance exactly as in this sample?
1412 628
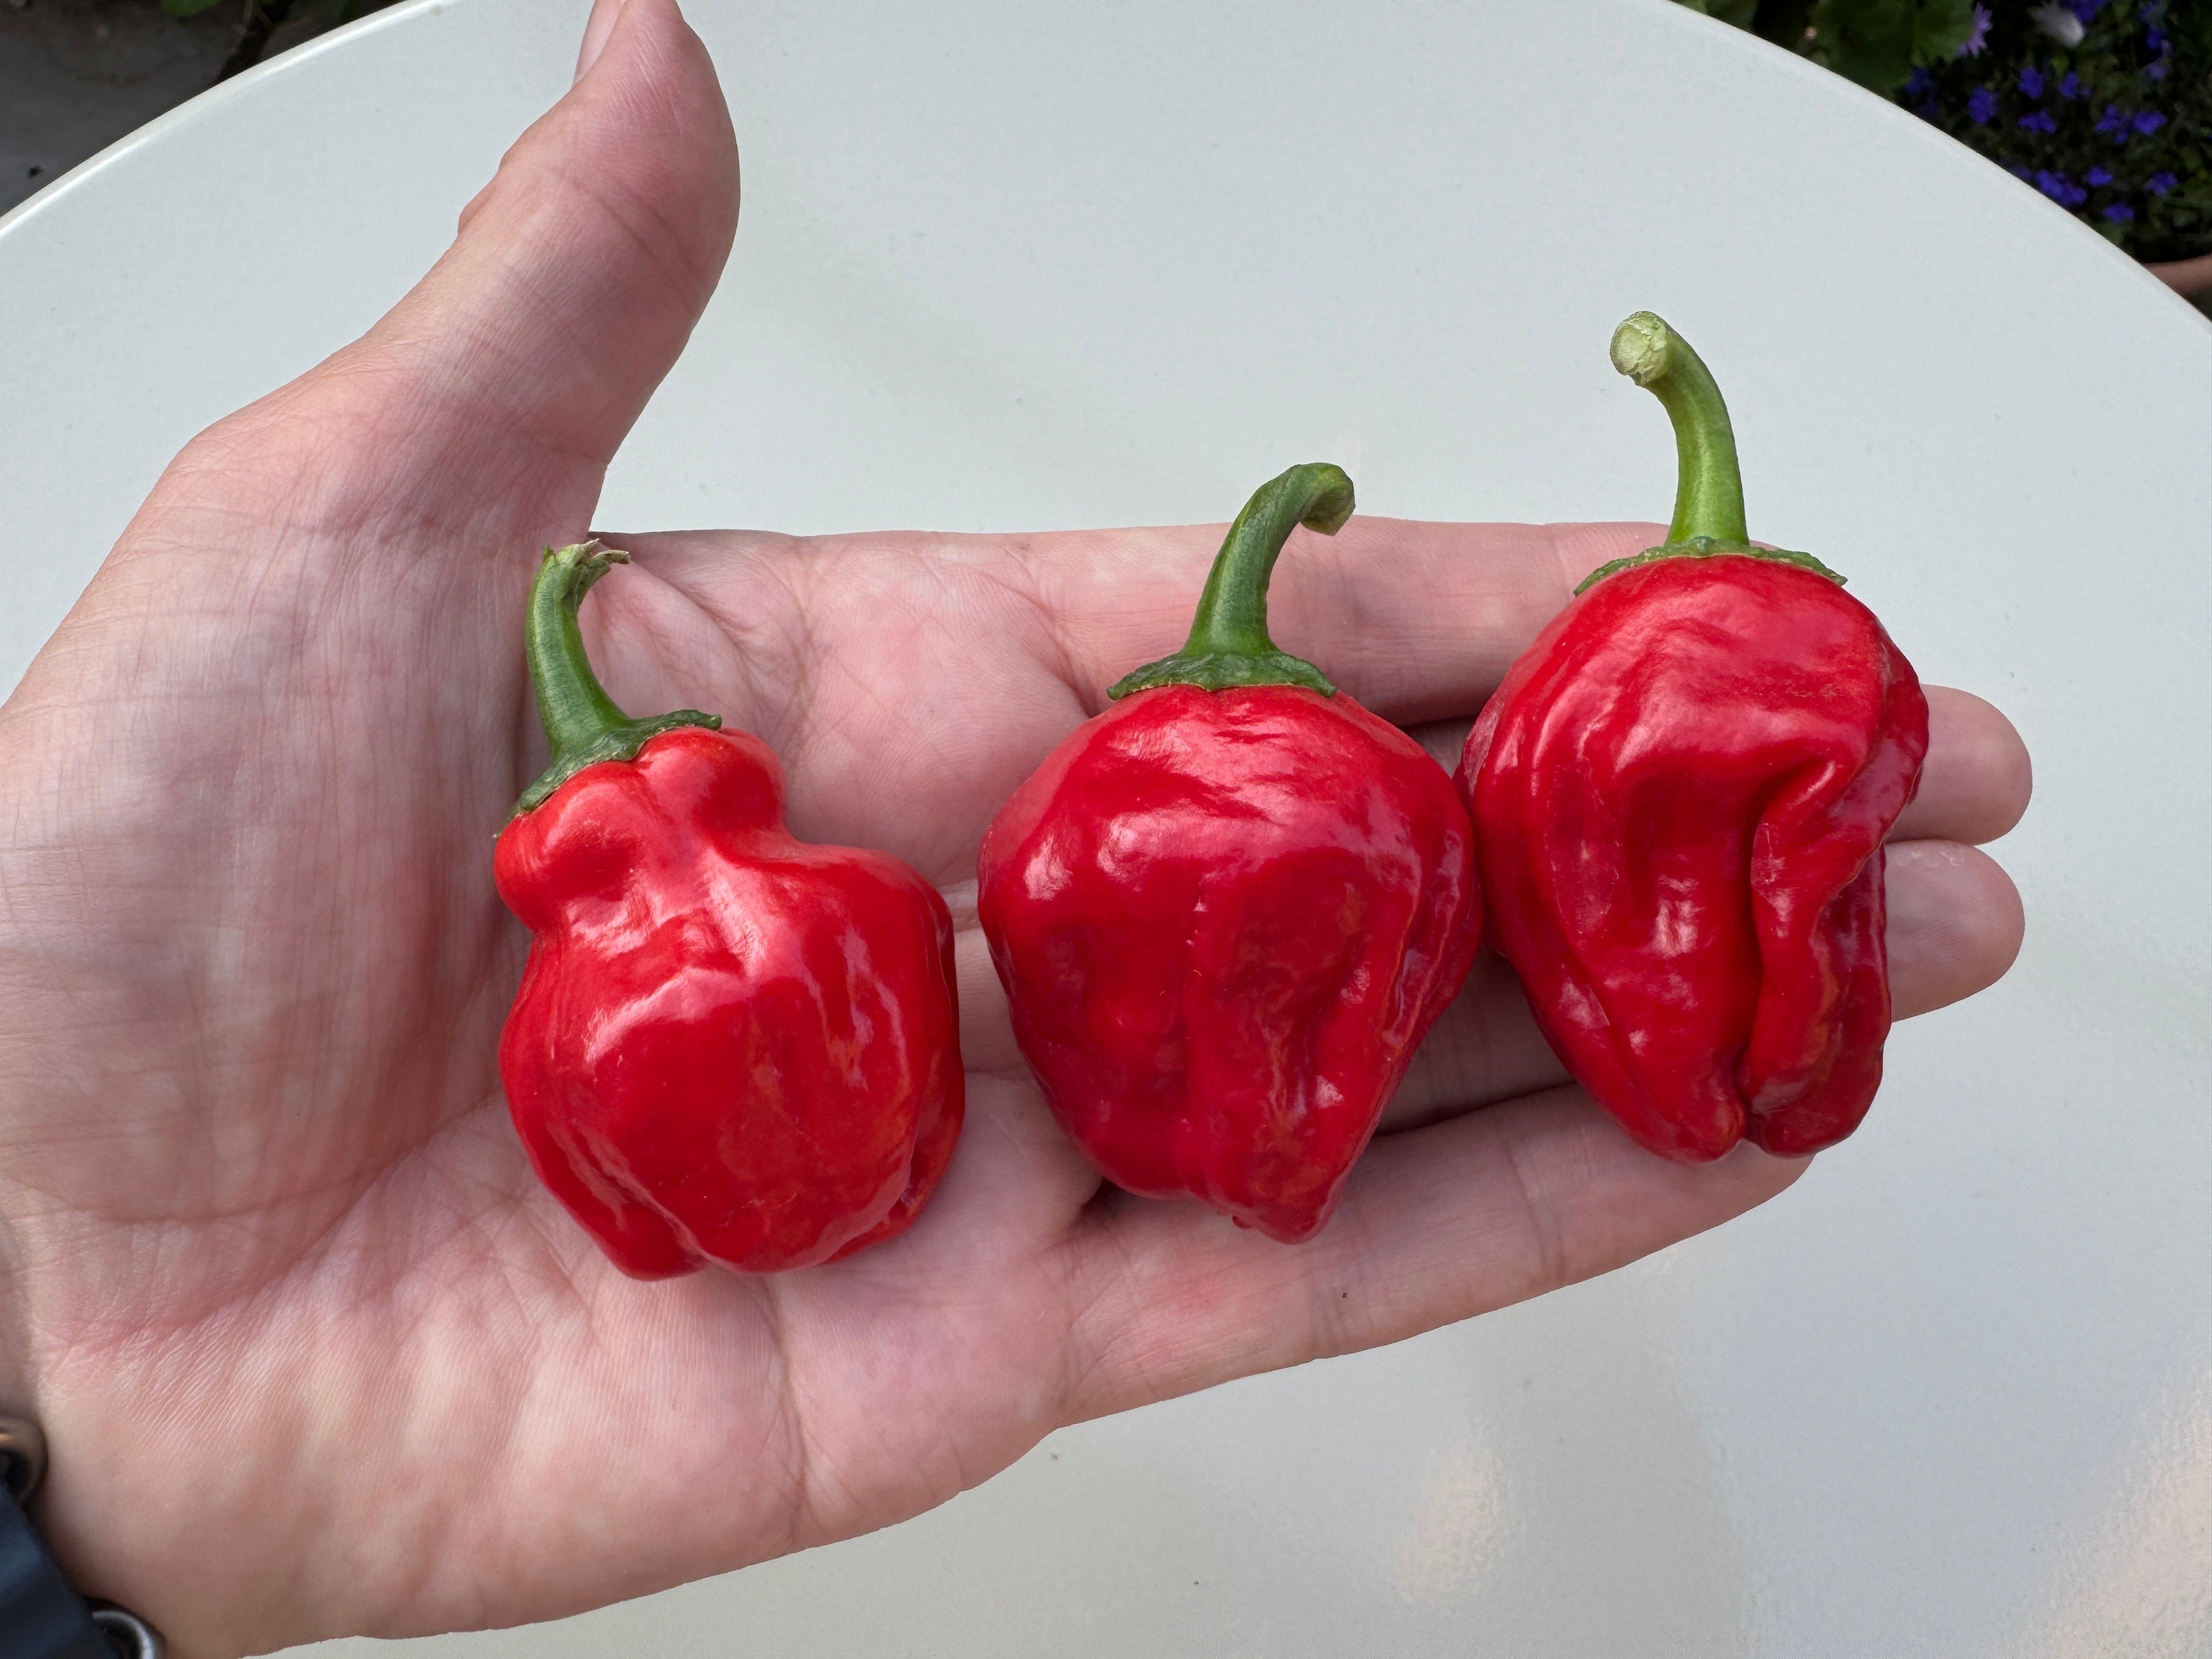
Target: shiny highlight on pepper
1680 793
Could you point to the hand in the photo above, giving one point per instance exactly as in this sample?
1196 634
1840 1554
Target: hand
315 1353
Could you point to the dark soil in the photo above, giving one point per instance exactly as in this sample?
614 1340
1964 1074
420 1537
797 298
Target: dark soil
77 75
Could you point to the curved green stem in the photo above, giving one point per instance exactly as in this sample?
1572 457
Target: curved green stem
582 723
1229 643
1708 484
1709 487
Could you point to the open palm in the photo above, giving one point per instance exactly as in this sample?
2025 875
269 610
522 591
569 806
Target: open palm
315 1353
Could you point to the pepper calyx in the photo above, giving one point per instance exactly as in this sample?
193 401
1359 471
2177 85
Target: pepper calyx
1229 645
582 723
1706 547
621 744
1218 671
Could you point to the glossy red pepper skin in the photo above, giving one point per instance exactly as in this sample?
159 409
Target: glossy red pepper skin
1224 920
729 1045
1680 793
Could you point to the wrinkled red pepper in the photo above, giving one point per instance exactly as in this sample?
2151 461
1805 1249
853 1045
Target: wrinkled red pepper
729 1045
1226 910
1680 793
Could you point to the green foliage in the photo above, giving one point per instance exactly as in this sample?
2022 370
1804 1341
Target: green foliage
1738 12
1941 27
188 7
1878 43
2116 127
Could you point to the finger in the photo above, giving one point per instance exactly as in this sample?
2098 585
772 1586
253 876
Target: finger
1973 788
1444 740
1436 1225
507 377
597 28
1955 927
986 1031
1955 924
580 270
1418 620
1977 778
1486 1047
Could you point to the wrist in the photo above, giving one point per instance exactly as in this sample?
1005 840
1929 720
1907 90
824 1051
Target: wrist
43 1616
46 1467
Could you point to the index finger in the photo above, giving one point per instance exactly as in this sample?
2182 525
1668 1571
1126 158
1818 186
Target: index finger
1417 620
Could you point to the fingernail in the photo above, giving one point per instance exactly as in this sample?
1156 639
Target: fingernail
596 31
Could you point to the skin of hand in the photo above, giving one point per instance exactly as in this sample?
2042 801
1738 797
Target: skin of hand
315 1353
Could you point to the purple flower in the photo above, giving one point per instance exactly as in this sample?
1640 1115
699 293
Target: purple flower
2162 184
2098 178
2039 122
2150 122
2071 86
2114 124
2031 81
1918 81
2087 10
2119 211
2154 38
2157 72
2059 188
1977 38
1981 105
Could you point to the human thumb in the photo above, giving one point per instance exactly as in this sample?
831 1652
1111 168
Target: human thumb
516 367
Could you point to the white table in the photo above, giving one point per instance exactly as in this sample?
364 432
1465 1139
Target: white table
1011 266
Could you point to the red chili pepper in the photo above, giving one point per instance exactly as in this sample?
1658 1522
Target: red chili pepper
1679 795
729 1045
1226 910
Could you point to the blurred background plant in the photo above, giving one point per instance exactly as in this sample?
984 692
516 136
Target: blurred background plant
2104 106
263 18
1877 43
77 75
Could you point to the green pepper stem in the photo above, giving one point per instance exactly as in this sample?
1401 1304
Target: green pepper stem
1709 487
582 724
1228 644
